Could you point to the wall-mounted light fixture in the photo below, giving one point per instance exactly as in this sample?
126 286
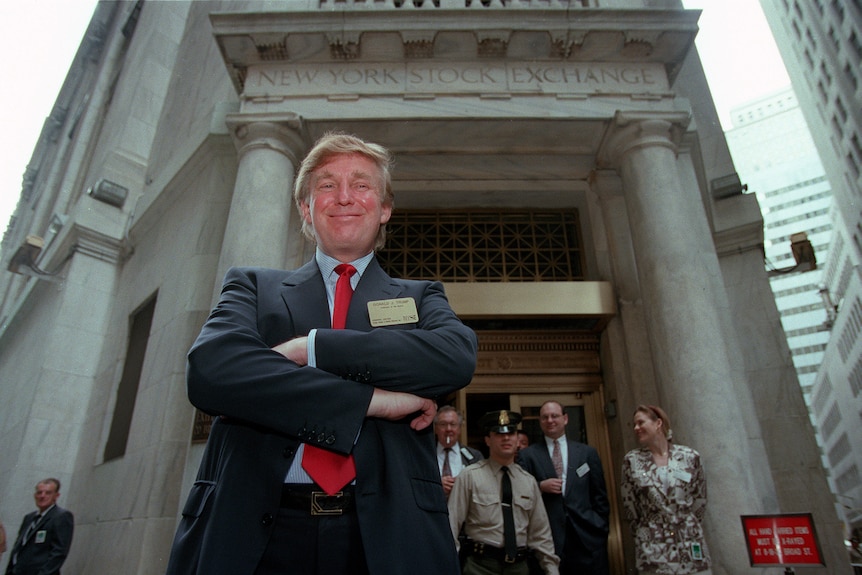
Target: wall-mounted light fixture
803 254
109 192
26 254
727 186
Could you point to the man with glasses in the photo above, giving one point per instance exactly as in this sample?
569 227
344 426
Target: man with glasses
573 488
452 457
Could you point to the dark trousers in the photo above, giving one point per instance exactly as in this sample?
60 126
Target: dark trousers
578 560
487 566
302 544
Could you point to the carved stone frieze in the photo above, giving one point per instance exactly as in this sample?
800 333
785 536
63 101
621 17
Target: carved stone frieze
273 51
622 37
537 353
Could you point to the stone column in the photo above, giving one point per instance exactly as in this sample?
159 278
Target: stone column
258 229
684 304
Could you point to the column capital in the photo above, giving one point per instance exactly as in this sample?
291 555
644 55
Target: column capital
283 133
631 130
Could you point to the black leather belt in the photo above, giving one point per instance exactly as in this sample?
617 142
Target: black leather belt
307 497
484 550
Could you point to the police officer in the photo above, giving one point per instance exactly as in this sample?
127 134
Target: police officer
500 507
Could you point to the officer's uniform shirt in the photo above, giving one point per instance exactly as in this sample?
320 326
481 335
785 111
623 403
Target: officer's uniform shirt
475 502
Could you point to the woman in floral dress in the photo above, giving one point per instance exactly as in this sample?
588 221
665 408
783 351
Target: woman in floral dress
664 497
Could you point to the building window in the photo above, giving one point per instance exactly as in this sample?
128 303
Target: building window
484 245
842 111
850 75
856 45
848 480
831 422
855 379
838 8
839 451
836 45
837 126
824 72
821 396
127 391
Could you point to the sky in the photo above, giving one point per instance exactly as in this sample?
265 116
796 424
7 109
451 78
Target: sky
41 37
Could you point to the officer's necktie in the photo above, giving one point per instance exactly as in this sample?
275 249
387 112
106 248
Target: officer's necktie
510 543
329 469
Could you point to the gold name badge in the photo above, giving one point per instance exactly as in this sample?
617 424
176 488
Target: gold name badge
392 311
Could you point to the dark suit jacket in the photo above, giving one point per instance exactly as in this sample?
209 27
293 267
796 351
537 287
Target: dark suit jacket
45 550
270 404
477 455
584 505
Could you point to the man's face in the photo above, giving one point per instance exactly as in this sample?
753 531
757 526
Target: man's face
523 441
345 209
502 446
447 429
45 496
552 420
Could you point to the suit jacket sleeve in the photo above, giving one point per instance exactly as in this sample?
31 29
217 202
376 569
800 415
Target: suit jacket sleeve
232 370
433 357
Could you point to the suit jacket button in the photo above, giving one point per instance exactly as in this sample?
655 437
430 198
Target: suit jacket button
266 520
321 437
330 440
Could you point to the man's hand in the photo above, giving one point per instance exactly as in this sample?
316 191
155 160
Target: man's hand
394 405
448 482
296 350
553 485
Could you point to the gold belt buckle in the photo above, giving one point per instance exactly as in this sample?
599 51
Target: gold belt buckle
317 508
508 559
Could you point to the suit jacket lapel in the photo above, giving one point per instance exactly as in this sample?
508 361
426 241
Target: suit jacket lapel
304 295
572 469
40 523
375 284
305 285
545 459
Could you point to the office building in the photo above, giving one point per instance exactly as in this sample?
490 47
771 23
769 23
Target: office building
559 166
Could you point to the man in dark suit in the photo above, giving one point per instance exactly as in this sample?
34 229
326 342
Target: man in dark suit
573 488
45 535
452 457
291 389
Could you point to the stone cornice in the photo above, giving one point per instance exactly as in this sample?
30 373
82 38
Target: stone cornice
381 34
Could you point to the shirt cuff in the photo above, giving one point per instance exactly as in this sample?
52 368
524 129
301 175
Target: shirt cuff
312 359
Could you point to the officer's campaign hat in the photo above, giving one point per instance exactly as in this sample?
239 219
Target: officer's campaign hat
502 421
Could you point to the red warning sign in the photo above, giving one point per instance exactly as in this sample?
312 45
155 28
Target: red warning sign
787 539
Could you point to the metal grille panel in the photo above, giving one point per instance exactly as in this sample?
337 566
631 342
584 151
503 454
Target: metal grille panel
484 246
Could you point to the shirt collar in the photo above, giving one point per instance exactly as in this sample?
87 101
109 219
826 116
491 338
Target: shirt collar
455 447
550 441
327 265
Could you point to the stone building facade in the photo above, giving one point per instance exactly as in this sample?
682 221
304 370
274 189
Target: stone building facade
559 165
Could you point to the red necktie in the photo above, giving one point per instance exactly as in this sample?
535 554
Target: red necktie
447 471
329 469
557 458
